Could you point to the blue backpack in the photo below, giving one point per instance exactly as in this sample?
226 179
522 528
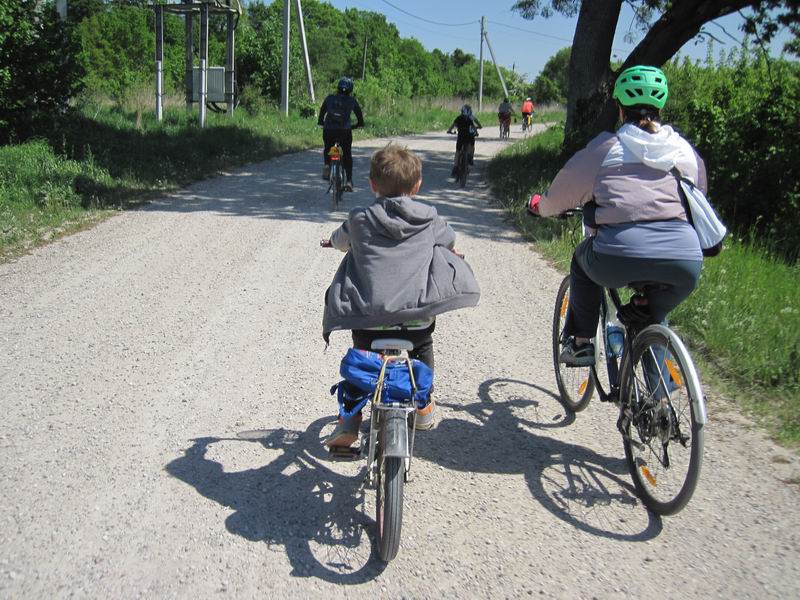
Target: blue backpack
361 369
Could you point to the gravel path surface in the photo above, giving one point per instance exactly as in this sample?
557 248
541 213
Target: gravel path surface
164 387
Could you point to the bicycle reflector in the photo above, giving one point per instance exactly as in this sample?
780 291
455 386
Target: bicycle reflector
334 153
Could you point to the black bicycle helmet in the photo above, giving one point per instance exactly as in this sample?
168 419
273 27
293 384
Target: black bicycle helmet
345 85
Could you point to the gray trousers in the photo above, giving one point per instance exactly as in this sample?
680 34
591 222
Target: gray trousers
590 272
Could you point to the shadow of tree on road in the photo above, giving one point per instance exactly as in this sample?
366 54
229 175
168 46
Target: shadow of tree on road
294 501
576 484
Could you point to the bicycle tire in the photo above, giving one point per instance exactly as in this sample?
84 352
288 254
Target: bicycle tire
463 168
337 187
667 490
389 506
575 384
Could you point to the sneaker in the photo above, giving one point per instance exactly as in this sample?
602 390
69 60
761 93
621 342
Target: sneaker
346 432
348 187
326 172
425 417
573 355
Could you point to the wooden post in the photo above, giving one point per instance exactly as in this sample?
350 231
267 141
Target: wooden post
230 77
203 61
189 58
159 63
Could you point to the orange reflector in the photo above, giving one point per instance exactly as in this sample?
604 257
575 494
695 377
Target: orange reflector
564 305
333 152
648 475
673 372
582 387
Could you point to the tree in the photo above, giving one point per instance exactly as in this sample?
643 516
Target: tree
551 84
39 71
591 78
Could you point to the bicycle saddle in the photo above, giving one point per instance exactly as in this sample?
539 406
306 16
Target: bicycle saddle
391 344
647 286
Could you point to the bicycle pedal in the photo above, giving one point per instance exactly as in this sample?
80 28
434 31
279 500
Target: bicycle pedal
343 453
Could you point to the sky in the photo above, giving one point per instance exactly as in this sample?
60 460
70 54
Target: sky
525 51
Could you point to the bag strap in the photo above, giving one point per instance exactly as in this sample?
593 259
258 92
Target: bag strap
684 200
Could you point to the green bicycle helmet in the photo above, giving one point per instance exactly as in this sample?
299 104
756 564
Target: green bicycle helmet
641 85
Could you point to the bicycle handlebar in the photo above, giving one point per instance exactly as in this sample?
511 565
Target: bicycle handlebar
325 244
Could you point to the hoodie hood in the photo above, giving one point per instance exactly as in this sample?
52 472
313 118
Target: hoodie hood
662 150
400 218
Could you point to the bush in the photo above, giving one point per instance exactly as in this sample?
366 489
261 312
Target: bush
39 70
742 115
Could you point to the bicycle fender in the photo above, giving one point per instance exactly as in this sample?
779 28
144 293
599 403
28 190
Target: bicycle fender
701 415
395 434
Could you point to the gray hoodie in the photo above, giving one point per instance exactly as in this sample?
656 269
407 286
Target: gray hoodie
399 267
627 175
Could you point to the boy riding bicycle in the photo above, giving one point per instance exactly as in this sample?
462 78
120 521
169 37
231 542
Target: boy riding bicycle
400 271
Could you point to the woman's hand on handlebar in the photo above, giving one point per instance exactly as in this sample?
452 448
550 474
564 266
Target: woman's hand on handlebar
325 244
532 206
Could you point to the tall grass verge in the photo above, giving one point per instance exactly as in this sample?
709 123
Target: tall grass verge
743 321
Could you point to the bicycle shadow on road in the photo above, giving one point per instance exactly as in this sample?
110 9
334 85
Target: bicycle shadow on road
293 501
576 484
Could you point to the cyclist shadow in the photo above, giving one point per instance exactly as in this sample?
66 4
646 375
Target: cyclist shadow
293 501
576 484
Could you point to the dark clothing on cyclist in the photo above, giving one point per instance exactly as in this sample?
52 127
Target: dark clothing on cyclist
467 128
334 117
634 207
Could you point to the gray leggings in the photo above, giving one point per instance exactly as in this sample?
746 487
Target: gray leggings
591 271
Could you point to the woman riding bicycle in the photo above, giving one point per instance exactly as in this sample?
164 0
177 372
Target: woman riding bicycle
630 194
504 112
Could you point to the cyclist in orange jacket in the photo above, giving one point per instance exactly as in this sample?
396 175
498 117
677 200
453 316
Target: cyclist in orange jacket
527 111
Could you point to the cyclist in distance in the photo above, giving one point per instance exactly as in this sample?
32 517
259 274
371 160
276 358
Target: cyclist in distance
526 110
631 201
334 117
467 126
504 112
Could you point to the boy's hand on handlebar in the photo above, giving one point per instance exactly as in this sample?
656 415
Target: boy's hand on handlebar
325 244
532 205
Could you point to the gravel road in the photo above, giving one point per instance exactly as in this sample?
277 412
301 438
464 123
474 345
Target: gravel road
164 387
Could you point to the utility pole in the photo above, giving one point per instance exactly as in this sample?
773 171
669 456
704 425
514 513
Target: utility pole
496 66
480 85
285 73
364 60
302 26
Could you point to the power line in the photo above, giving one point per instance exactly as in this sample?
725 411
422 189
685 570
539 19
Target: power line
554 37
428 20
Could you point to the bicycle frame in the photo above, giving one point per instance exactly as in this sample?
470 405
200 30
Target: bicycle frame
391 419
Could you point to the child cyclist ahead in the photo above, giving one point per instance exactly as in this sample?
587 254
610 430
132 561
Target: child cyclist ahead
399 272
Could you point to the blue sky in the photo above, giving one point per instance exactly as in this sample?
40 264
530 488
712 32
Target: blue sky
526 52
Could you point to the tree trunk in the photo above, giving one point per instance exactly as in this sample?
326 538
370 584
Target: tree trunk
589 68
590 108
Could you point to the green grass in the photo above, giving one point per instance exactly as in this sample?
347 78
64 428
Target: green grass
743 321
102 158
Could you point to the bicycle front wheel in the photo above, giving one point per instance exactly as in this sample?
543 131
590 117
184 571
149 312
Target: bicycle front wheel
575 384
389 511
662 436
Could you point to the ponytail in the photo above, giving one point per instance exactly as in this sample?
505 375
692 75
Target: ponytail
646 118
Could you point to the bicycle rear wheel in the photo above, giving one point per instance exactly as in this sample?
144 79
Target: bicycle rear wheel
662 436
389 506
338 186
463 168
575 384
